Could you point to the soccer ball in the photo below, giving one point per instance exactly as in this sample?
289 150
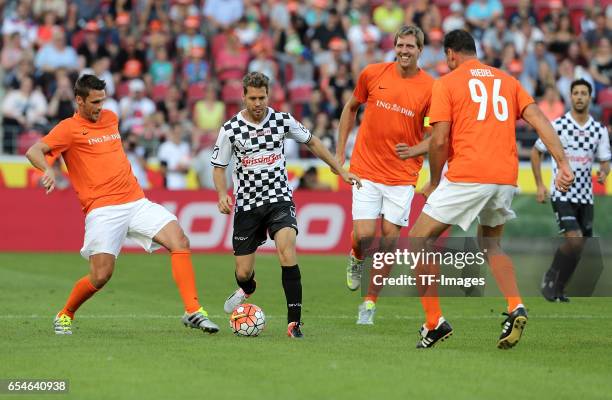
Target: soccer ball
247 320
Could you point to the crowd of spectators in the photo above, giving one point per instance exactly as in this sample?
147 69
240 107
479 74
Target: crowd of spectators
173 68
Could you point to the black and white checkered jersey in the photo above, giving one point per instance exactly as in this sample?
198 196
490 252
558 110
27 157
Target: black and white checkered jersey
583 145
260 172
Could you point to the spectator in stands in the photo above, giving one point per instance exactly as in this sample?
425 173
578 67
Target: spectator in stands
419 10
56 55
263 62
190 37
601 65
341 81
526 36
247 30
574 53
12 52
303 69
161 70
232 60
57 7
91 49
173 106
45 31
322 130
61 105
562 36
155 10
456 19
389 17
544 78
316 14
84 10
551 104
481 13
175 160
208 115
332 28
182 9
136 156
19 21
310 181
195 67
538 55
433 53
135 107
568 72
131 50
22 109
524 11
601 30
497 36
361 34
221 14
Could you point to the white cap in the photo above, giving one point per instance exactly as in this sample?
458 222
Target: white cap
456 7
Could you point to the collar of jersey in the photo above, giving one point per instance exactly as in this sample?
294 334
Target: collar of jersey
263 121
576 124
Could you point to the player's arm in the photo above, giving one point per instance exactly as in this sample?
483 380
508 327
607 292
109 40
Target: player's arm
317 148
404 151
346 125
604 170
438 153
604 155
221 156
36 156
534 116
536 168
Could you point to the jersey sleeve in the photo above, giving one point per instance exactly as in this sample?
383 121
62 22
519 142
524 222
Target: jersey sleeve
523 99
222 152
361 90
603 147
298 131
59 139
539 145
440 109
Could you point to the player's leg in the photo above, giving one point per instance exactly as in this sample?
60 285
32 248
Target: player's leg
492 218
249 233
152 226
245 278
284 239
366 208
105 231
567 256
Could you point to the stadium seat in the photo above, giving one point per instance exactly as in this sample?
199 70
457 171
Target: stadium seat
195 92
510 6
123 90
26 139
604 98
159 92
217 44
579 4
277 96
232 92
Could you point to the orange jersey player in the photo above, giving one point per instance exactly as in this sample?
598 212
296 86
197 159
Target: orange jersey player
388 151
113 202
473 113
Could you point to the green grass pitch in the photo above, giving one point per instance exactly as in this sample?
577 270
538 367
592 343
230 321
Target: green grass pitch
129 343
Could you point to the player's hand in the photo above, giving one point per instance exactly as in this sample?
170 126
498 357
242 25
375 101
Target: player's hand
564 178
541 194
225 204
403 151
428 189
602 175
351 179
48 180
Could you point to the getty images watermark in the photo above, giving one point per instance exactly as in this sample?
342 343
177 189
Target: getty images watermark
461 266
409 259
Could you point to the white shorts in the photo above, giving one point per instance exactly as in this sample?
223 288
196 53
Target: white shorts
375 199
460 203
106 228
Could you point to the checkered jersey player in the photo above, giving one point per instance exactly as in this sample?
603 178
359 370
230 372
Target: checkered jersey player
263 199
584 140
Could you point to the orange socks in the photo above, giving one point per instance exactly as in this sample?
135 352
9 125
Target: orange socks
182 272
81 292
503 271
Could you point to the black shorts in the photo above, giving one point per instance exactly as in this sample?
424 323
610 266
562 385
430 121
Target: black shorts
250 227
574 217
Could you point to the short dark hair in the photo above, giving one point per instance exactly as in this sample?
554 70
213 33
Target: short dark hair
256 80
581 82
460 41
86 83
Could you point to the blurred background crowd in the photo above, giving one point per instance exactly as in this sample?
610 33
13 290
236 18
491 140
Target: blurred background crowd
173 68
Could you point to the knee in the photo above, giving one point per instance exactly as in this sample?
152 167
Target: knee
243 274
100 276
287 255
180 241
